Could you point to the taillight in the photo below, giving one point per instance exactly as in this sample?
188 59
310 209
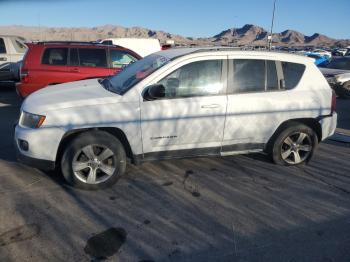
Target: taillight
334 102
24 76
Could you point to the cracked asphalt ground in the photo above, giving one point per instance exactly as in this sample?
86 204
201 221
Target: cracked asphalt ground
239 208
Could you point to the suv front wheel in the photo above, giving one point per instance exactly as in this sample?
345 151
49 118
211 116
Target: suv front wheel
93 160
295 145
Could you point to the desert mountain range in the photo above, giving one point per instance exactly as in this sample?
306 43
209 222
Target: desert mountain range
246 35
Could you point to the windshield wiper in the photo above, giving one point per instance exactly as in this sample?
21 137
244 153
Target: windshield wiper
106 83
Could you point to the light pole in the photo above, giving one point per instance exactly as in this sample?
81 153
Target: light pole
269 38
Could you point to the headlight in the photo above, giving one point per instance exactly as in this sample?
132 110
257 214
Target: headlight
31 120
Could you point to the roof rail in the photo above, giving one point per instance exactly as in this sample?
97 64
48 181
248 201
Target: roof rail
66 42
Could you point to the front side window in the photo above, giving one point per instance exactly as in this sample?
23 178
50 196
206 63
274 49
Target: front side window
200 78
92 57
55 56
120 58
2 46
292 73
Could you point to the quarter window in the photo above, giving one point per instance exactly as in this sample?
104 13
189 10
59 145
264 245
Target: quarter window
92 57
2 46
195 79
120 58
55 56
292 73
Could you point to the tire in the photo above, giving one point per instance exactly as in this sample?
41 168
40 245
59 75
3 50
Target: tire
343 91
295 145
93 160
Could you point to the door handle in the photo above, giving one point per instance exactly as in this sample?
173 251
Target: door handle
210 106
3 58
75 70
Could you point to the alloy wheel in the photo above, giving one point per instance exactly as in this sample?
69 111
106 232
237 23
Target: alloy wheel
296 148
94 164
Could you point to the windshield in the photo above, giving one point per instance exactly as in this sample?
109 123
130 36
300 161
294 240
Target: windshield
134 73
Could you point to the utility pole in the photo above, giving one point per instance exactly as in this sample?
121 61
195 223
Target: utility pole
269 38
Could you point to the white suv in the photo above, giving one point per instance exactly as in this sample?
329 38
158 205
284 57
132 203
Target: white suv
178 103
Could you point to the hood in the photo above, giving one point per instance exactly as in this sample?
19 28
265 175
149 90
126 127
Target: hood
74 94
329 72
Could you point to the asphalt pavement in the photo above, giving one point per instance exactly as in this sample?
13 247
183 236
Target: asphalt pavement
238 208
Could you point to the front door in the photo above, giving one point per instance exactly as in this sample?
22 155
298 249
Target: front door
190 118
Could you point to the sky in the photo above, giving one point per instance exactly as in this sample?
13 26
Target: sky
193 18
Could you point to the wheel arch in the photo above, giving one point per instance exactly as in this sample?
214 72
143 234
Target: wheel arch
310 122
116 132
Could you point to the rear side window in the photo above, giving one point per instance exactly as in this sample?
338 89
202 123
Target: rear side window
253 75
2 46
55 56
92 57
120 58
292 73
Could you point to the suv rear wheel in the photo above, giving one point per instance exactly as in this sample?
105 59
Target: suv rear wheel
295 145
93 160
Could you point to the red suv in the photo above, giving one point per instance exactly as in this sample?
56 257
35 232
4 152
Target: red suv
51 63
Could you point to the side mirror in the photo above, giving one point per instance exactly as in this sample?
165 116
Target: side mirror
155 91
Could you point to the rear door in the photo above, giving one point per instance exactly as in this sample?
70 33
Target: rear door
53 68
253 98
260 98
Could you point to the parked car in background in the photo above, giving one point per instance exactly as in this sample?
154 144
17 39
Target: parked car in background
337 73
182 102
319 59
141 46
52 63
12 50
339 52
322 52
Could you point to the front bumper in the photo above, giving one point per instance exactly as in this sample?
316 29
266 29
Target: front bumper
43 146
41 164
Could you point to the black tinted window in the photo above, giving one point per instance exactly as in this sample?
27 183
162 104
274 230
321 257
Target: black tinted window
271 75
248 75
74 57
2 46
292 74
55 56
92 57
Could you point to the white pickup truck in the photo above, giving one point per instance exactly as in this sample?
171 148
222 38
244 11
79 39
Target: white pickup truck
12 50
